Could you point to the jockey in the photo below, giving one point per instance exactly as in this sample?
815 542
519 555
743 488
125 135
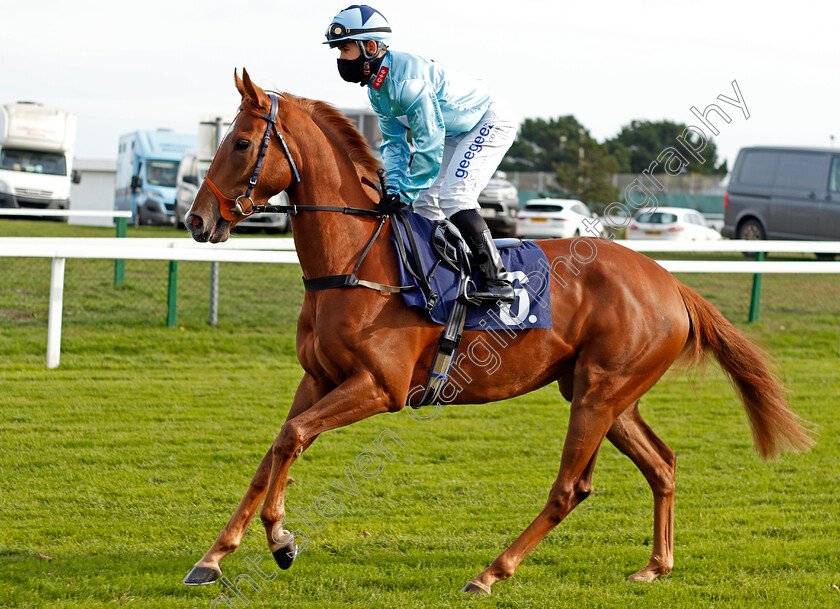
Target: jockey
459 130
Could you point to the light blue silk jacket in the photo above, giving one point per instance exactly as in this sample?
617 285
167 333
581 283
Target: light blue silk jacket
410 92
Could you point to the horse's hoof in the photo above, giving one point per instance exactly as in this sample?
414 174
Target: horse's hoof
200 576
646 576
655 569
285 555
476 589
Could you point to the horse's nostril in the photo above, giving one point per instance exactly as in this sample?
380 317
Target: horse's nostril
195 221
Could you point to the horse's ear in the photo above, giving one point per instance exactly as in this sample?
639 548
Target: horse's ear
239 85
249 90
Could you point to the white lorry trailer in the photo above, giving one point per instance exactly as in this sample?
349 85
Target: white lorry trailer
36 156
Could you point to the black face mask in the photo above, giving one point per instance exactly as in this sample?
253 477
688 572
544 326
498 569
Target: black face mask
353 70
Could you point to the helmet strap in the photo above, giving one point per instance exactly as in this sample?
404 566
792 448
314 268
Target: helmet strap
369 57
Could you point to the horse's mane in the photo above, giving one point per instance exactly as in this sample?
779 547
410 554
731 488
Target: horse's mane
338 127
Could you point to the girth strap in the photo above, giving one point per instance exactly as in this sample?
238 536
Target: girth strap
329 282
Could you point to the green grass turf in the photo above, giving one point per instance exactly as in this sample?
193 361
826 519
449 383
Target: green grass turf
123 464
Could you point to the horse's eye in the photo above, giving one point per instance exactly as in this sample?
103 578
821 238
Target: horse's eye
242 144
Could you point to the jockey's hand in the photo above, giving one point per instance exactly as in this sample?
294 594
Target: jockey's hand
389 203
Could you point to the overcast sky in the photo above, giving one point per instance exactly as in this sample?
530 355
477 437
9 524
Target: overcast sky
122 66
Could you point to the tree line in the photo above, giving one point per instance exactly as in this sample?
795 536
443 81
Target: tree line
584 167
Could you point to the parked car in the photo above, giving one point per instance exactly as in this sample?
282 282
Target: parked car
187 181
671 223
499 203
784 193
191 173
546 218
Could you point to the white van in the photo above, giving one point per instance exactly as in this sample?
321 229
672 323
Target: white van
36 156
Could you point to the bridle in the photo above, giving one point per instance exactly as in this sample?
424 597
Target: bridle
243 206
233 208
229 207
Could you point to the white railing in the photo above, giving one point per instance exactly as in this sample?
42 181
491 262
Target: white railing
123 249
741 266
732 245
281 251
61 213
134 249
50 243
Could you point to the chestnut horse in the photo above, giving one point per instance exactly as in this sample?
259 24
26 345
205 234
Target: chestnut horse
619 321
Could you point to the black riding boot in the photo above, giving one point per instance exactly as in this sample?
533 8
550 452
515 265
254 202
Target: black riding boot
475 232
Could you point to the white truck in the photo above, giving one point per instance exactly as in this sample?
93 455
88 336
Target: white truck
36 156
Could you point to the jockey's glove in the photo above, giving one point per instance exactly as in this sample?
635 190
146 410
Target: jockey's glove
389 203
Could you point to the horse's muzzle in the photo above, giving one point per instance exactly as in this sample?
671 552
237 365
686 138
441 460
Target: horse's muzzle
202 230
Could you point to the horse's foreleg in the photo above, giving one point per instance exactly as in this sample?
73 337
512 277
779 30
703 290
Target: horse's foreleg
207 569
588 424
633 437
357 398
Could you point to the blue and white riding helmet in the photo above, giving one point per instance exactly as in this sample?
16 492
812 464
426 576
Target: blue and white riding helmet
359 22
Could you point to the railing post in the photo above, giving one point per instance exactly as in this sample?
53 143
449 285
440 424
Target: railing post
56 304
214 266
119 265
172 296
214 293
755 300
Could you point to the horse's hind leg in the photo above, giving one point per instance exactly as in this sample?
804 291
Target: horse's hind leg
590 419
633 437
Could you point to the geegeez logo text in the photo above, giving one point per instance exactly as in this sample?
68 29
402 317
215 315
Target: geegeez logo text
474 149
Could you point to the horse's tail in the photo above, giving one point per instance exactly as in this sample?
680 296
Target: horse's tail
775 427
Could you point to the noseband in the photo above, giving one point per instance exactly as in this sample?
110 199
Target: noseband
232 208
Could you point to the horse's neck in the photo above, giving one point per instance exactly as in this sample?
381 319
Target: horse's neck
330 243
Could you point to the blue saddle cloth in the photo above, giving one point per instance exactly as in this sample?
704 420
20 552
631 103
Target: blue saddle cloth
527 268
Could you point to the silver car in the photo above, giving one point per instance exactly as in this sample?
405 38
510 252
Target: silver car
499 203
